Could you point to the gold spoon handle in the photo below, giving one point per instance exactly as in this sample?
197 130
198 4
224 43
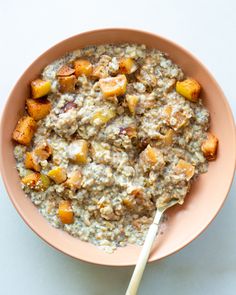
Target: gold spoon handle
144 254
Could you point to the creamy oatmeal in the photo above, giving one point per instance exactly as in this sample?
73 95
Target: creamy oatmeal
111 132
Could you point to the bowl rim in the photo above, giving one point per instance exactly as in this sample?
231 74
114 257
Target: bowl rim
106 30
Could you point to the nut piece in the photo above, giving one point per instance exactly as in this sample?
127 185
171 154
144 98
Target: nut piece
58 175
38 109
132 101
189 89
74 180
113 85
83 67
36 181
127 66
40 88
176 120
24 130
78 151
31 163
186 168
65 212
67 83
209 147
65 71
99 72
130 131
100 118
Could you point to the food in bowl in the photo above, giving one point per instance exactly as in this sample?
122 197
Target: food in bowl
111 132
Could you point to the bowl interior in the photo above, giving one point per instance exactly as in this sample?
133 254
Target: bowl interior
184 222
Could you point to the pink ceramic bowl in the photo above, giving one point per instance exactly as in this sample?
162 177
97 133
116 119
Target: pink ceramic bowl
185 222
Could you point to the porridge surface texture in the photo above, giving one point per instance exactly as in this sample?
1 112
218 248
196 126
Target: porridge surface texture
142 143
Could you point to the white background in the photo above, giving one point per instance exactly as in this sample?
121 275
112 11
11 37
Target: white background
208 30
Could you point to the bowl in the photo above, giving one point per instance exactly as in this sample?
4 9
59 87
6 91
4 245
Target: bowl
184 222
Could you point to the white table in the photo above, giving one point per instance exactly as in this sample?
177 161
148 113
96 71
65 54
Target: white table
207 29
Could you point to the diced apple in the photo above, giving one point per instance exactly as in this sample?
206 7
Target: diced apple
78 151
127 66
38 109
83 67
65 212
99 72
189 89
42 151
65 71
31 162
209 147
102 117
67 83
186 168
40 88
24 130
36 181
113 85
150 155
58 174
74 180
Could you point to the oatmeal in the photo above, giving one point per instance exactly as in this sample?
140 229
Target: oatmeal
110 133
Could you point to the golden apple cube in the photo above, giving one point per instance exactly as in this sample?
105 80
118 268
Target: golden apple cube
65 212
112 86
40 88
83 67
186 168
58 174
38 109
36 181
189 89
102 117
78 151
31 163
67 83
127 65
209 147
74 180
24 130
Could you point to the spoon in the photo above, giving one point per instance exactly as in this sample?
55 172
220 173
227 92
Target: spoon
144 254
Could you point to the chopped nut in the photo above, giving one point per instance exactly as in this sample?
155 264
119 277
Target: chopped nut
65 71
